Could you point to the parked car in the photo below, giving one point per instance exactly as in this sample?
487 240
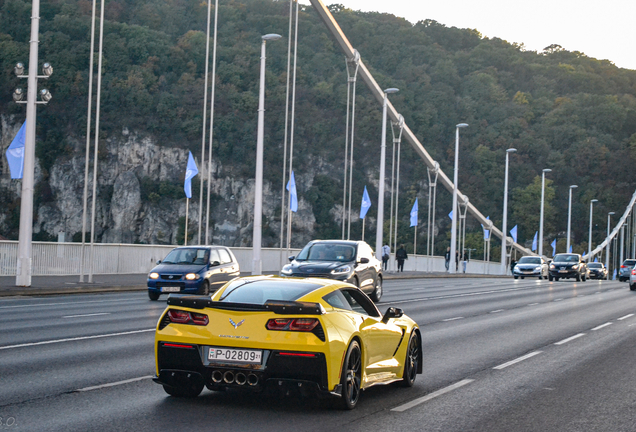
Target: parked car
568 265
597 270
192 270
625 272
349 261
315 336
528 266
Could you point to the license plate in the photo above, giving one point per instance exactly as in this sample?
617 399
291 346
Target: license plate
234 355
170 289
563 271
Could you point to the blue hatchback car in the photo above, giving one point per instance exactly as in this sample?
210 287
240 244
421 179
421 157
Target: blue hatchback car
192 270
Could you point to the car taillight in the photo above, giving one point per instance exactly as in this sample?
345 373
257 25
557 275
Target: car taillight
293 324
622 266
184 317
634 271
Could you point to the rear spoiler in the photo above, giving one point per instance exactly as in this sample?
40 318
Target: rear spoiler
279 307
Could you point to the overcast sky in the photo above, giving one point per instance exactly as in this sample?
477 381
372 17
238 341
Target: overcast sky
603 29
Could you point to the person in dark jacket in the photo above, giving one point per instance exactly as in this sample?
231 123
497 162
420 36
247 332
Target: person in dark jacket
400 256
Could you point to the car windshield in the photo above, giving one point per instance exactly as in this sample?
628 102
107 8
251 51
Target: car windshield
327 252
187 256
260 291
568 258
595 265
529 260
629 263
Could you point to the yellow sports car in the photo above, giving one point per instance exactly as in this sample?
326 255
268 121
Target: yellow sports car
315 335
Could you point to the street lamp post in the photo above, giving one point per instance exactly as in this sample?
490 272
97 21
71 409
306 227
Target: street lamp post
257 264
589 242
607 248
453 245
567 246
378 232
547 170
504 232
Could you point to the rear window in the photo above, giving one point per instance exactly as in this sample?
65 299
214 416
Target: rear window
260 291
629 263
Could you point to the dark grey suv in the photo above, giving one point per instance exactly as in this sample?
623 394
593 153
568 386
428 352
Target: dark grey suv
566 266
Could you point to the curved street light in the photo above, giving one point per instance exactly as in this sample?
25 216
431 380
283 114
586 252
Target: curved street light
453 251
567 246
540 249
504 235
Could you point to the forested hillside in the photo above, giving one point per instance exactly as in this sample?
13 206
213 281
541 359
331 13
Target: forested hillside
560 109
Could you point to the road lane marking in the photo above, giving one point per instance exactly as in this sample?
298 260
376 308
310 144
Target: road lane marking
75 339
85 389
87 315
453 296
564 341
497 311
625 317
69 303
533 304
517 360
556 300
601 326
421 400
453 319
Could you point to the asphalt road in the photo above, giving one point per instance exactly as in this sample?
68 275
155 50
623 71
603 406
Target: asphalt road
499 355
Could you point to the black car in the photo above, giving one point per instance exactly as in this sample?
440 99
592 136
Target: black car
597 270
568 265
192 270
349 261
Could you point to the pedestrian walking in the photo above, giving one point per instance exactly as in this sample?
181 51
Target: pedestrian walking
400 256
386 254
447 258
464 262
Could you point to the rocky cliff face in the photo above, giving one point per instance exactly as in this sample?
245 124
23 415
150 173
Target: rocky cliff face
129 168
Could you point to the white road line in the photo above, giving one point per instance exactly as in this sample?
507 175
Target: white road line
433 395
453 296
625 317
532 304
87 315
75 339
65 304
517 360
453 319
113 384
498 310
601 326
555 300
564 341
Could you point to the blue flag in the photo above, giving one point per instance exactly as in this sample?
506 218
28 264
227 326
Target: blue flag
293 196
15 153
553 244
414 214
191 171
570 248
513 233
366 203
614 276
595 259
450 215
534 242
486 232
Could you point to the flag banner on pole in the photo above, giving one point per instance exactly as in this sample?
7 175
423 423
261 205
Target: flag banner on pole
486 232
15 153
414 214
535 241
595 259
614 276
570 249
450 215
191 171
366 204
513 233
293 196
553 244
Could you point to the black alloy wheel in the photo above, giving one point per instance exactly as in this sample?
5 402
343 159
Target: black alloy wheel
412 361
153 295
204 289
351 377
190 390
632 287
376 295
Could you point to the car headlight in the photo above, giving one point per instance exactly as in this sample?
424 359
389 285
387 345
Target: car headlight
287 269
154 275
538 268
192 276
575 267
341 270
552 267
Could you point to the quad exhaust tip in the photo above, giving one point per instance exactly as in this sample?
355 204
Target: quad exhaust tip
252 379
228 377
217 376
240 379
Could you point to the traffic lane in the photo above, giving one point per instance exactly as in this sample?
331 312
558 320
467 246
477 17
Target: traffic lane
34 372
583 385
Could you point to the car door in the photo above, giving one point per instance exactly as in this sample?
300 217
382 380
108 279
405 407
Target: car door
365 270
228 263
216 275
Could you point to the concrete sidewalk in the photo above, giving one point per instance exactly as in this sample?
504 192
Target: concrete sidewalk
58 285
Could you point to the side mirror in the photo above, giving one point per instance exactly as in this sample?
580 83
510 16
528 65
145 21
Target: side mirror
214 263
364 260
291 258
158 261
392 312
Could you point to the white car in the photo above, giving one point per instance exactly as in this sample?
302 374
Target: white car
531 266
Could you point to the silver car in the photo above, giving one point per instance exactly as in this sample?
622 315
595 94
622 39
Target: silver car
531 266
626 270
632 279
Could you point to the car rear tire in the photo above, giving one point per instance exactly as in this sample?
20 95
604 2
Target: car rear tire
376 295
153 296
204 289
351 377
411 362
188 391
632 287
516 277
